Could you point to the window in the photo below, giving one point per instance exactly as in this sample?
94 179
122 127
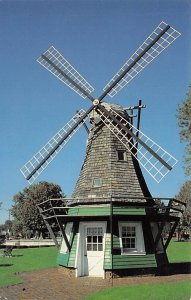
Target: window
94 239
131 238
97 182
128 237
121 155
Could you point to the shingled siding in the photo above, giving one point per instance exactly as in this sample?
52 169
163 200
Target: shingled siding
125 261
118 178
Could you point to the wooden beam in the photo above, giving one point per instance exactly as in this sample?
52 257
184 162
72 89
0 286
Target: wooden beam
49 227
171 234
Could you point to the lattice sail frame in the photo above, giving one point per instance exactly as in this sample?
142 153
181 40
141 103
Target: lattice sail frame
60 62
31 165
151 164
165 41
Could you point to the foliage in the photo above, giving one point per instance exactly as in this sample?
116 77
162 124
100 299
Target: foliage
184 195
184 122
167 291
7 226
27 219
24 260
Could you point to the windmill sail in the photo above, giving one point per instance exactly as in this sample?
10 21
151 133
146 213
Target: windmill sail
152 157
54 62
161 38
38 163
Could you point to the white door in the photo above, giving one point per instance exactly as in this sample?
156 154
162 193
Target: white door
93 249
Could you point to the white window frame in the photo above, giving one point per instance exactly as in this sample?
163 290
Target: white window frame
97 182
140 245
97 243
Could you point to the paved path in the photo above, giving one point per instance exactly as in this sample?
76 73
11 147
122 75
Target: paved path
50 284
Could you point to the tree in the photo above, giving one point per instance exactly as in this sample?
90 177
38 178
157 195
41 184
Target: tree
184 195
27 219
184 122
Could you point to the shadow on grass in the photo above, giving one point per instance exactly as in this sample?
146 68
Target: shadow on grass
176 268
6 265
18 255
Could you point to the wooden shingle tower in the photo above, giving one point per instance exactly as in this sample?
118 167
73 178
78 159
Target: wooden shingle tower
111 224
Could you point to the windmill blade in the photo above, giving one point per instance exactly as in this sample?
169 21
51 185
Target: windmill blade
38 163
161 38
55 63
152 157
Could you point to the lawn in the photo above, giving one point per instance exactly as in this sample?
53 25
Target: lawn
179 251
168 291
24 260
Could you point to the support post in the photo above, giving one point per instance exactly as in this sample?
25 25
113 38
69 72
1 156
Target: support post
48 227
167 211
171 234
138 121
159 234
61 228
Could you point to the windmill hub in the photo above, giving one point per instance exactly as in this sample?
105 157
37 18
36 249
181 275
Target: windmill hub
96 102
95 116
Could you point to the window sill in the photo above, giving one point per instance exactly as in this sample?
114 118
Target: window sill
134 253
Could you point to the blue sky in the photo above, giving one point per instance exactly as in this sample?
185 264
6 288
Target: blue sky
97 37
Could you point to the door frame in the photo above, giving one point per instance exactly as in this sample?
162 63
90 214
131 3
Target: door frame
82 263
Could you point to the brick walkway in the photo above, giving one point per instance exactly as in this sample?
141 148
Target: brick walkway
51 284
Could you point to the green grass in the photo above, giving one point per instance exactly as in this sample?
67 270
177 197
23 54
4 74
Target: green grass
179 251
25 260
167 291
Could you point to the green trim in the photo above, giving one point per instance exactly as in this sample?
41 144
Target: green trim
130 262
128 211
62 259
89 211
72 257
105 211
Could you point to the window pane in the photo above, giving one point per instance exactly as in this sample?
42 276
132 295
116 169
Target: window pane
97 182
100 239
100 247
132 243
89 247
100 231
89 238
121 155
128 234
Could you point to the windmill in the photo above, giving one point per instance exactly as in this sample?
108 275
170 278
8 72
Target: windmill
111 188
